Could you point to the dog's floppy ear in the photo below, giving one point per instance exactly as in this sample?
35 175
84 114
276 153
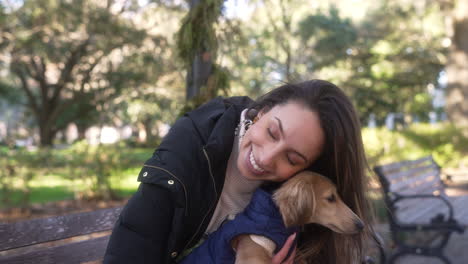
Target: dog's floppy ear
296 202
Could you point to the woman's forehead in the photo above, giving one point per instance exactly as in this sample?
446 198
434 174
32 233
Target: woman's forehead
301 127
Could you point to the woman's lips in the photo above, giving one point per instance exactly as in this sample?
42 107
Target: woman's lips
250 165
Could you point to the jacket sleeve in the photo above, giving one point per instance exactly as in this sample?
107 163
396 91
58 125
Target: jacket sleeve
141 233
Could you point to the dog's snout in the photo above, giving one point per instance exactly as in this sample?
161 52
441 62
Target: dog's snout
359 224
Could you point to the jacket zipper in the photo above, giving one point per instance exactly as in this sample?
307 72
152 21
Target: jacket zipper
211 207
175 177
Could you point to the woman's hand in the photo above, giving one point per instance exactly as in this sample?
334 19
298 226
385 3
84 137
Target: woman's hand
279 257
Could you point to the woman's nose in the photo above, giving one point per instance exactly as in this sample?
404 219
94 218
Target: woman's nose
267 158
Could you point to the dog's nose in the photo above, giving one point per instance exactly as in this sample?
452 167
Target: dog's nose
359 224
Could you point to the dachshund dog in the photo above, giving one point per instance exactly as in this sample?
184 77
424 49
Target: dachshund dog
306 198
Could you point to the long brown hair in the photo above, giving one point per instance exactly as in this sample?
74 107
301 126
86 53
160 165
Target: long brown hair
342 160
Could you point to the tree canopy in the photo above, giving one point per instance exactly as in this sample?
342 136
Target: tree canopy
72 58
90 62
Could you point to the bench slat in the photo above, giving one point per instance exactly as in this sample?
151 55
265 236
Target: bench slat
397 165
35 231
414 204
405 174
79 252
460 205
430 186
427 183
422 212
426 186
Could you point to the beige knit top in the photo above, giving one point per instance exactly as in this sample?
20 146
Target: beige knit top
237 190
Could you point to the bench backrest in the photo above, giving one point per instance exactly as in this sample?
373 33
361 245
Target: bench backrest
33 232
421 176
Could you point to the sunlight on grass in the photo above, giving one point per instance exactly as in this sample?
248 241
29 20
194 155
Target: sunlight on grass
127 183
444 141
50 180
52 187
74 172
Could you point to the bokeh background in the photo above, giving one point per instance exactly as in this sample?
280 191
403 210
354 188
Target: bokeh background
88 87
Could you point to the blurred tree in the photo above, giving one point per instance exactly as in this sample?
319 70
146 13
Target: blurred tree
150 114
197 46
385 65
9 92
457 67
157 102
327 38
72 56
268 52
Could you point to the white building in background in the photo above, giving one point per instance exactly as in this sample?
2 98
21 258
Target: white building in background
390 121
126 132
3 130
11 126
71 133
107 134
372 123
95 135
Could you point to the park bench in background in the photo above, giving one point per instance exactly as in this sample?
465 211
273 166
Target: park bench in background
422 217
78 238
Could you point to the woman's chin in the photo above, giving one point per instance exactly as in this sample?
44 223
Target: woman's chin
247 174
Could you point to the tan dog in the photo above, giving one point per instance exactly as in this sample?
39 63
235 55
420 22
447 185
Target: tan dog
305 198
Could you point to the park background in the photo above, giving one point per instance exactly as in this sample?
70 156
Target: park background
89 88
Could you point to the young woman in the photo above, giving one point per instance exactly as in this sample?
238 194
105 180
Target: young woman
214 157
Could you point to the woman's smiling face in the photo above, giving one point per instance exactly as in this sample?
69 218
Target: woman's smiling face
283 141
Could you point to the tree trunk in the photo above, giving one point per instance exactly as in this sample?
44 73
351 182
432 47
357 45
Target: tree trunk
148 126
81 131
46 135
47 129
198 73
457 67
201 68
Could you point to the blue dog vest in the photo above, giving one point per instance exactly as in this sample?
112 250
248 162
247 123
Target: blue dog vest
260 217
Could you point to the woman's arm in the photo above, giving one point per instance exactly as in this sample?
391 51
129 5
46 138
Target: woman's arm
142 230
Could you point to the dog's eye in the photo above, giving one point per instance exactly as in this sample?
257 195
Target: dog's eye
331 198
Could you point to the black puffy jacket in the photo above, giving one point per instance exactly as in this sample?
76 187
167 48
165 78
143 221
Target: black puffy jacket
180 187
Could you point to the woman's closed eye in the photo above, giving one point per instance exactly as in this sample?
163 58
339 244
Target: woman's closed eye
272 133
290 160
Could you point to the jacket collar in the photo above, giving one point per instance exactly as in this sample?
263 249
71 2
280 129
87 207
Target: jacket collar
216 122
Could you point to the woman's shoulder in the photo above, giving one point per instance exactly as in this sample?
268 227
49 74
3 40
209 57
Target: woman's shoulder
219 104
242 101
206 116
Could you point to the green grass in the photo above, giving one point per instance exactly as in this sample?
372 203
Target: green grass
50 188
65 174
52 175
444 141
43 194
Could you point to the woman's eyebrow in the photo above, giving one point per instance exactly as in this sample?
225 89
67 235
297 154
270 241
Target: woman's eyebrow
280 124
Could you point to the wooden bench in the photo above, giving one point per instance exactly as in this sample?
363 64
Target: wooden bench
82 238
421 215
73 238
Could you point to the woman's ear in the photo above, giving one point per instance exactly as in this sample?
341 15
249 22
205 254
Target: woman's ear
251 114
260 113
296 202
254 115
